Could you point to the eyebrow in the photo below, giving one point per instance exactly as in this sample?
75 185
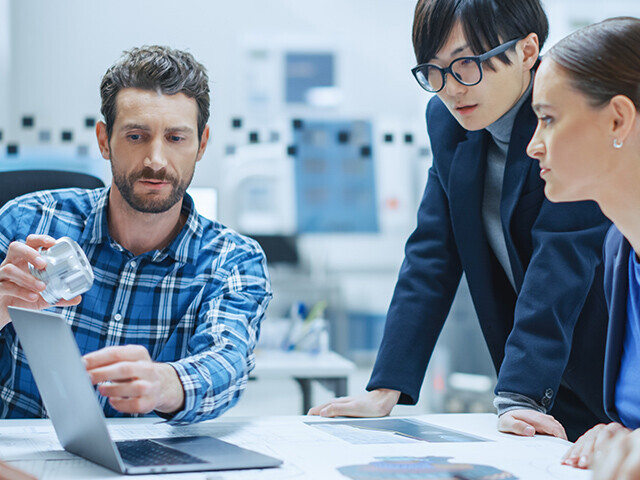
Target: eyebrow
179 130
540 106
134 126
145 128
455 52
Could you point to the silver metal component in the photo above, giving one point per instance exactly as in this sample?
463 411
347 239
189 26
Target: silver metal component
68 272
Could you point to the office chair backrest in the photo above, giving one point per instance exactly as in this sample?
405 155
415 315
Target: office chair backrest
18 182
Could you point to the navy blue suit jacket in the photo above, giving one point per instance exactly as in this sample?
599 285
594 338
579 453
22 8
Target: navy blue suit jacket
552 326
617 251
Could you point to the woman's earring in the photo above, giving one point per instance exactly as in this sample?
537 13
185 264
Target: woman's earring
617 143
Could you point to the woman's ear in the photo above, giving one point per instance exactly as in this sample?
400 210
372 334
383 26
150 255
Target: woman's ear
624 117
530 51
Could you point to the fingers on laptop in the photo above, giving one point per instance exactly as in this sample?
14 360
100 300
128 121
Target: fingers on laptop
135 402
115 354
127 375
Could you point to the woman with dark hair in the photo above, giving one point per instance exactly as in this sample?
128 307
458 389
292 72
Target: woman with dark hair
533 268
587 99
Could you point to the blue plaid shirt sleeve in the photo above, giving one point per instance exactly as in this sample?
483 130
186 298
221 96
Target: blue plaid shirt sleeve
221 352
9 221
196 304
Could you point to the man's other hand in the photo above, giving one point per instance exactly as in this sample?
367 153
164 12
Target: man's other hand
133 382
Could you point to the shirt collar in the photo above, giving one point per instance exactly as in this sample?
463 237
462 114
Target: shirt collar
183 248
96 228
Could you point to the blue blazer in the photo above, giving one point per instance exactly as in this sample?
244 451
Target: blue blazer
616 286
551 329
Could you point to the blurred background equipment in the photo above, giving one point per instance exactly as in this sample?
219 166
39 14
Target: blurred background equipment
318 150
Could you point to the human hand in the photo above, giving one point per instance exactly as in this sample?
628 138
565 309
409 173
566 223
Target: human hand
527 423
9 472
18 287
377 403
135 383
580 455
618 457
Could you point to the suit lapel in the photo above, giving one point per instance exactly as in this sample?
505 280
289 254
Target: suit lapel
466 186
617 324
486 284
515 176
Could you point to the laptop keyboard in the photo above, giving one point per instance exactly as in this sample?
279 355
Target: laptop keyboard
140 453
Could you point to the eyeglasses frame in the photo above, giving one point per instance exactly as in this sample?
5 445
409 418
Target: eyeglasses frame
478 59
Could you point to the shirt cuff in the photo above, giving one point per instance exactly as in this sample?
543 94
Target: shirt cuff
192 397
506 401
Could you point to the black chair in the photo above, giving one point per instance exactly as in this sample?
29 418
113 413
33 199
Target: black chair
278 248
18 182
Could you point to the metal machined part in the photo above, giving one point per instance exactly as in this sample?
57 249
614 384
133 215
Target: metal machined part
68 272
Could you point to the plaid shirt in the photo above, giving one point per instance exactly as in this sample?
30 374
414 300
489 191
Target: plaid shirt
197 304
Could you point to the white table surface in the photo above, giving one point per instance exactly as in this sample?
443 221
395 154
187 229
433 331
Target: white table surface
308 452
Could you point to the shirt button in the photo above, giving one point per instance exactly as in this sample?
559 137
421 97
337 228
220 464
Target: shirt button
117 317
133 264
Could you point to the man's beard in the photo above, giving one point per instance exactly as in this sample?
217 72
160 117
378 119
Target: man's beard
150 203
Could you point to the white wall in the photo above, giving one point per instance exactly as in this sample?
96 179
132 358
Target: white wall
566 16
53 53
5 52
60 50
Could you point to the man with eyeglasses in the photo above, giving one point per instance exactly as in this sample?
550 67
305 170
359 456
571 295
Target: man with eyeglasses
533 268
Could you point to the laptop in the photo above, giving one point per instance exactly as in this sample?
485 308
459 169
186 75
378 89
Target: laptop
78 419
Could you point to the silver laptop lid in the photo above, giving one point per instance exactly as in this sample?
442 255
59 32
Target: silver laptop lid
62 381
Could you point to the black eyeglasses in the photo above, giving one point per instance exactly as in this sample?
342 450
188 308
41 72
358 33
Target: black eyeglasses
466 70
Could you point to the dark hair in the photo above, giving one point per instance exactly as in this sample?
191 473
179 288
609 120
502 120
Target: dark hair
160 69
603 60
486 24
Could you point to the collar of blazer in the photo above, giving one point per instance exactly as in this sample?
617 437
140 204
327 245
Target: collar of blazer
617 322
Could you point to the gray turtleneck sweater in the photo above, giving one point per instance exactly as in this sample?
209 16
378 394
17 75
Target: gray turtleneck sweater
500 131
497 153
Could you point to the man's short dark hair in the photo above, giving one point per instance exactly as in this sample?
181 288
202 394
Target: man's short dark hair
160 69
486 24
